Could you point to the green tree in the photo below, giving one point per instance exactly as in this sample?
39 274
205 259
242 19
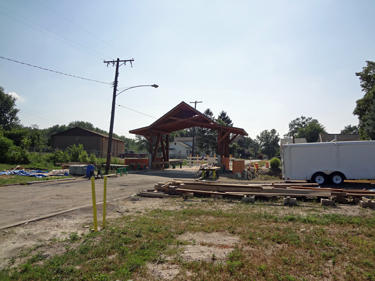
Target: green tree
206 138
81 124
8 112
269 142
363 107
350 130
298 123
311 131
369 128
5 148
225 118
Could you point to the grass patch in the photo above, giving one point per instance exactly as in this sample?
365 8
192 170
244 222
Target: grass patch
14 179
274 246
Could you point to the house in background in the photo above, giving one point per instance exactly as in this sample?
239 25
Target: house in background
93 142
338 137
181 147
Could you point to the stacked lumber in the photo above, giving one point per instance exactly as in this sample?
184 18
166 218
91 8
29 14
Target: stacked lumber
309 190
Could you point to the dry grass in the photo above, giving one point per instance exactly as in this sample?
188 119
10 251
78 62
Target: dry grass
265 241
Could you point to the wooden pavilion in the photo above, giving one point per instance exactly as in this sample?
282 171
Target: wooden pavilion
181 117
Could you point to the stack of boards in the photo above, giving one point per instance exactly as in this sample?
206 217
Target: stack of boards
308 190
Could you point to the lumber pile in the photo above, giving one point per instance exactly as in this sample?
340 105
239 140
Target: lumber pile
287 190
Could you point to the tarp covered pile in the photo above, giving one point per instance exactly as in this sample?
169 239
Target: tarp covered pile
36 173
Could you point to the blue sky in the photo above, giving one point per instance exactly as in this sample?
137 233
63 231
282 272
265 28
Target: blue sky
264 62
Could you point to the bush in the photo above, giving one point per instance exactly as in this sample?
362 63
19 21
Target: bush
6 146
19 155
93 158
83 157
275 163
260 156
75 152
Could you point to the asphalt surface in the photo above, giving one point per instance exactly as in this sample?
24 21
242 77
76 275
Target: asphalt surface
20 203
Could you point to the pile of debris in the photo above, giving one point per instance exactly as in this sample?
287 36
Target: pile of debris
20 171
290 191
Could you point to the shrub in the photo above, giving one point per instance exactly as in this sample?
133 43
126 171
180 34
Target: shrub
275 163
5 148
19 155
93 158
75 152
260 156
83 157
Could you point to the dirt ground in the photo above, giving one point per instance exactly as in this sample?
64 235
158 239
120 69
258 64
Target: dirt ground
36 236
32 237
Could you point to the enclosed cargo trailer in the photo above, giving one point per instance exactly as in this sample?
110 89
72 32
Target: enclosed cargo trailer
329 161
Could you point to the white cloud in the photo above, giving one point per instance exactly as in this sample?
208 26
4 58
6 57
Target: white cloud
18 98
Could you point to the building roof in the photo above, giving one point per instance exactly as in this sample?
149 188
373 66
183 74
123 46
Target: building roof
181 117
87 131
338 137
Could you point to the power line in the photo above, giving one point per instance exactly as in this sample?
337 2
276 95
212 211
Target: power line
82 28
136 111
110 83
54 33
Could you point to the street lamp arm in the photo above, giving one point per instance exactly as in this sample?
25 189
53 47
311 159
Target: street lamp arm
154 86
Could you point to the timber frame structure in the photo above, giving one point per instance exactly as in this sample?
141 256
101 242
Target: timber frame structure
181 117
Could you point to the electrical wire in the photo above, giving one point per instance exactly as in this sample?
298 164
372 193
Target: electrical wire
82 28
136 111
110 83
53 36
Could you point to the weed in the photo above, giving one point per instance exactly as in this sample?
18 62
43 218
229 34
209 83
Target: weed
73 237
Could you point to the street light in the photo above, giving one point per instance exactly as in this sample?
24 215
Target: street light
109 151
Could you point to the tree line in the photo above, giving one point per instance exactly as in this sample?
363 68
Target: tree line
16 139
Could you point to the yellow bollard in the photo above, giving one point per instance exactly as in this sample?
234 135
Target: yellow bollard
94 203
104 200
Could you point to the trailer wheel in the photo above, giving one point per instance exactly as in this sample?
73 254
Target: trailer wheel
337 178
319 178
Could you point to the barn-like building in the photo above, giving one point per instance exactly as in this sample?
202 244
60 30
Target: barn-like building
93 142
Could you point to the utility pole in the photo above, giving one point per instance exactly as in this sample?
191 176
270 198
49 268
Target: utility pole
195 106
109 151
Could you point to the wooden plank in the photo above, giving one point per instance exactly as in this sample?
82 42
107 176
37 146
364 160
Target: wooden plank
223 184
279 194
293 183
199 191
317 188
218 188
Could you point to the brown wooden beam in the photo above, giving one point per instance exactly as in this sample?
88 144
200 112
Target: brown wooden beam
223 137
232 139
156 148
167 145
163 148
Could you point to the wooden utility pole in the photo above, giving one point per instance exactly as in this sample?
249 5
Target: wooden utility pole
109 151
195 106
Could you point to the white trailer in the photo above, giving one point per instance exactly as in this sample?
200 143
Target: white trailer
328 161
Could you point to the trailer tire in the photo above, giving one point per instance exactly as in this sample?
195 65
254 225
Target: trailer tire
337 178
319 178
